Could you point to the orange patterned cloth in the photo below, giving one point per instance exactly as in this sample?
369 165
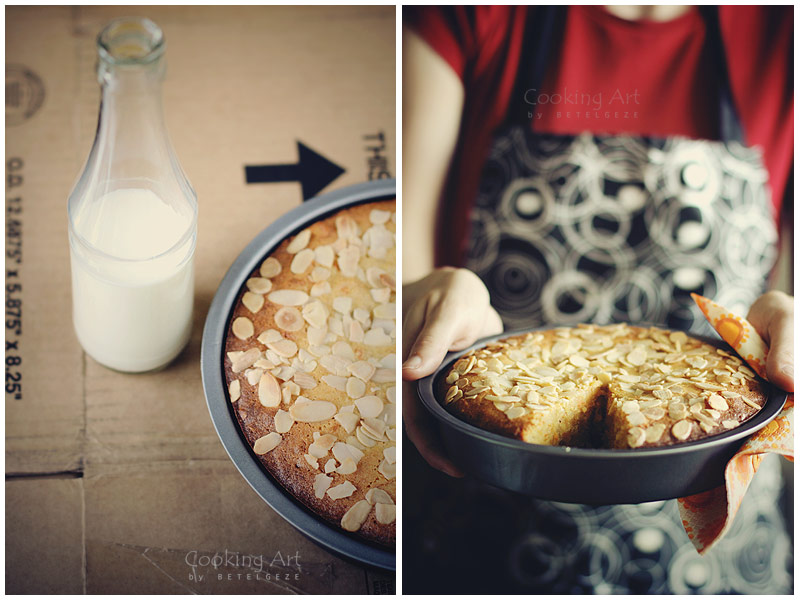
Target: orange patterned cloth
708 516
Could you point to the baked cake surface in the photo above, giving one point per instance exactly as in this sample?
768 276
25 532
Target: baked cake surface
616 386
310 367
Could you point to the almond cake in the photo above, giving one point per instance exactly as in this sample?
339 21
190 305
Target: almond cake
615 386
310 367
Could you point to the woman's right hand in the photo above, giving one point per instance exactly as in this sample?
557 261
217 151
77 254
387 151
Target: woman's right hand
445 311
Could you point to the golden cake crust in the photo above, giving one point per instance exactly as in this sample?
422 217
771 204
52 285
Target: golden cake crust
615 386
286 350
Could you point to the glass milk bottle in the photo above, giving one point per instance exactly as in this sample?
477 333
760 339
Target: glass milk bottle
132 214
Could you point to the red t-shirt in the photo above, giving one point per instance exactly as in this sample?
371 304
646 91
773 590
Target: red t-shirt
613 76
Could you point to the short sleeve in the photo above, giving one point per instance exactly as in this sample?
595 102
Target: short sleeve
448 30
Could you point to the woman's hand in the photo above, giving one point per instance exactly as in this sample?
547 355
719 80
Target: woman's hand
772 315
447 310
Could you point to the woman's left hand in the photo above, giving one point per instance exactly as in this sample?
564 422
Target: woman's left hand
772 315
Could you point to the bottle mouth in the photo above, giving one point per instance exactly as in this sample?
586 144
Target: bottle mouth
131 41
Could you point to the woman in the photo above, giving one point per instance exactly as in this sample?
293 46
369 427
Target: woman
586 164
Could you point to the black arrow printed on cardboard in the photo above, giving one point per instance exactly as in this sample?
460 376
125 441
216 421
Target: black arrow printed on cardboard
312 170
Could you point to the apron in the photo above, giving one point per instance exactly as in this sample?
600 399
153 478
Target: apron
608 228
604 228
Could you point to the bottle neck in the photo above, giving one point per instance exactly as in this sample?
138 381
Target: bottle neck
131 96
131 128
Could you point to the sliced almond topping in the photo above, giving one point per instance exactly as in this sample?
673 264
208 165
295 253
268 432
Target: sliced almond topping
384 376
578 361
356 332
678 411
378 496
381 295
343 490
385 513
384 311
329 467
348 261
681 430
343 304
515 412
750 403
253 375
730 423
267 443
630 406
377 337
316 335
349 421
362 369
343 451
304 380
344 350
373 277
346 227
348 467
379 217
299 242
283 421
269 391
285 348
242 328
654 432
270 267
636 437
259 285
321 484
678 337
312 411
654 414
354 518
302 261
717 402
355 388
336 382
235 390
317 451
319 274
289 318
245 360
375 426
369 406
364 438
252 302
269 336
288 297
320 289
451 394
387 470
636 418
324 256
312 462
315 314
388 280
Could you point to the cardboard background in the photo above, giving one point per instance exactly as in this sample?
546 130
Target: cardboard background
115 482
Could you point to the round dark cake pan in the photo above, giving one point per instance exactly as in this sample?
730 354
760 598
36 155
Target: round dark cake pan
588 476
316 528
